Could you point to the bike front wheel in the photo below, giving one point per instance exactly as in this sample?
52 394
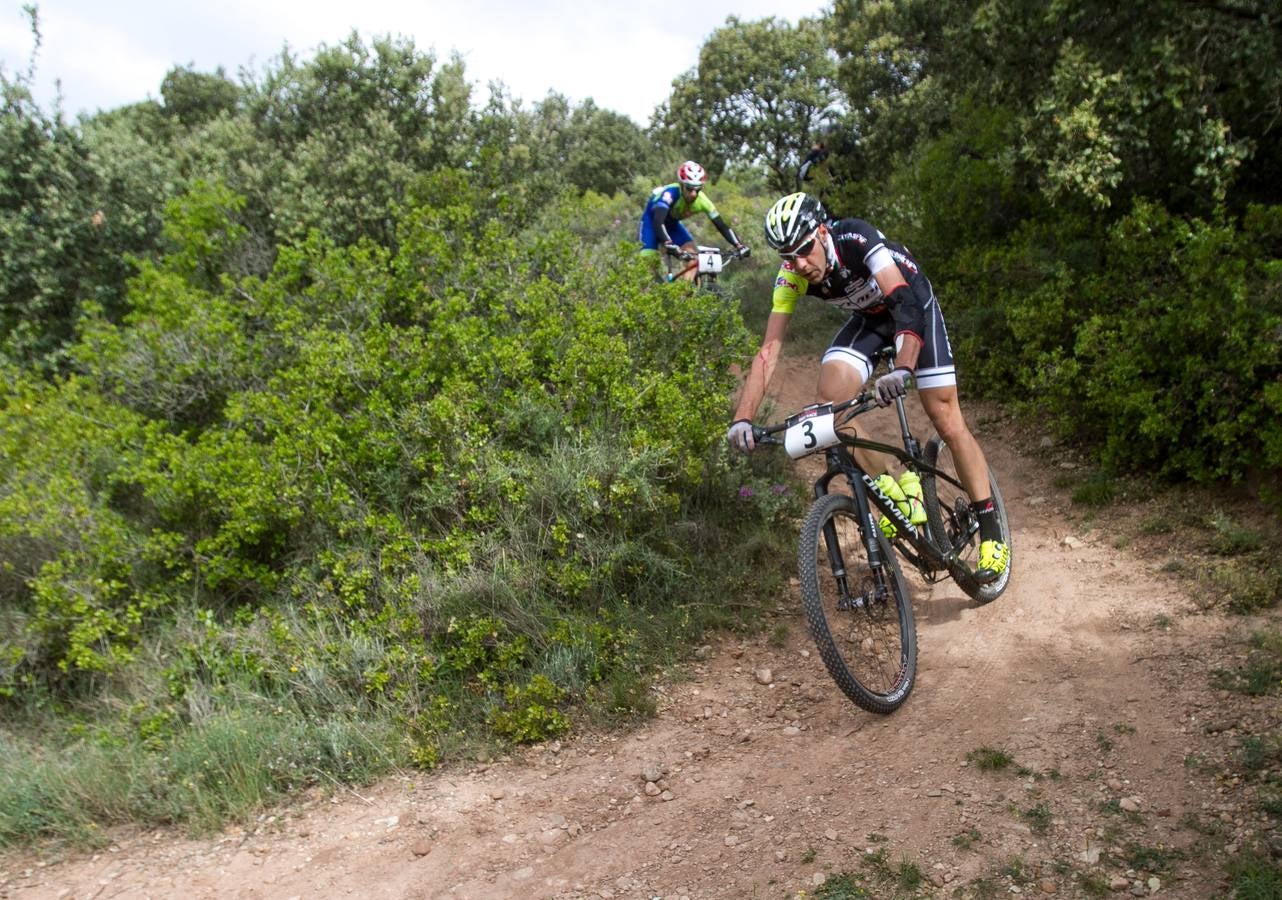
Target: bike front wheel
860 617
954 527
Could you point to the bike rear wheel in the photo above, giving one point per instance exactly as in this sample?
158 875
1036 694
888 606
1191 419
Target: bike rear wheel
860 618
953 526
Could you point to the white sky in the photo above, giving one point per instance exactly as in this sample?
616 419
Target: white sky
622 55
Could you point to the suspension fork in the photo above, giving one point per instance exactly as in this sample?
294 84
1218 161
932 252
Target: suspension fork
835 560
839 462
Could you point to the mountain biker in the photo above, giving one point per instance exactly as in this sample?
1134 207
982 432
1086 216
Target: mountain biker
817 155
669 204
851 265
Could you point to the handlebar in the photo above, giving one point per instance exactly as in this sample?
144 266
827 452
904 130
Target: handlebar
855 406
727 253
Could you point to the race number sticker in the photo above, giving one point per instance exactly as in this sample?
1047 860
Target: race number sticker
809 430
709 261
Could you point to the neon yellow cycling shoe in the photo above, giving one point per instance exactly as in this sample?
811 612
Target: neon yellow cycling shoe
994 557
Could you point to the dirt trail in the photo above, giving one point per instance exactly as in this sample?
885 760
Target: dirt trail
1091 672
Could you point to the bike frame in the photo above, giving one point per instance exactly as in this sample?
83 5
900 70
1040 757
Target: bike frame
925 556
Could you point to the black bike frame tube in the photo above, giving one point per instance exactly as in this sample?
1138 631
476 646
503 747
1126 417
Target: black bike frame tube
900 454
863 509
916 537
910 442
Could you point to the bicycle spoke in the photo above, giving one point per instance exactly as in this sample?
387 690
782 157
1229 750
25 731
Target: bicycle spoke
861 618
953 525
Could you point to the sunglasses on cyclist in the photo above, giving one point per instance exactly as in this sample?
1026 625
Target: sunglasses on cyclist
802 249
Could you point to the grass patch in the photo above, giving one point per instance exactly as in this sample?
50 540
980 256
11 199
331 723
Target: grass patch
842 887
1254 876
908 876
1155 525
1154 860
1038 818
1229 538
227 768
887 879
1270 800
1262 672
966 839
1245 587
1113 807
367 665
1096 489
1017 871
1256 755
1093 885
990 759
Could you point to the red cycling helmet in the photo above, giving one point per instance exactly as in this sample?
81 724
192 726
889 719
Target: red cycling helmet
691 174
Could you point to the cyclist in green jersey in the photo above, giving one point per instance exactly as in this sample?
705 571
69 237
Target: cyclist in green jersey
669 204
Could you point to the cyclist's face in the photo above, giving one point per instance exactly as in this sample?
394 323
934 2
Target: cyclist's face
690 192
811 257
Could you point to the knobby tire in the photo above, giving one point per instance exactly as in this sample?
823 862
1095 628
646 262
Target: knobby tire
949 519
870 650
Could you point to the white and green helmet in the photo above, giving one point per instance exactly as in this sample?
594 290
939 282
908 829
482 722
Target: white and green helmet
792 218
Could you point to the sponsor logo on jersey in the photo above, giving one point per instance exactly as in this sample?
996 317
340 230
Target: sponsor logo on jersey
782 282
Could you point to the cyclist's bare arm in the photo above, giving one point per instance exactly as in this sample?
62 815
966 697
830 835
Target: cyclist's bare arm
763 366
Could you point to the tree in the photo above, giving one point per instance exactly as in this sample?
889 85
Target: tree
759 91
332 144
196 97
1166 100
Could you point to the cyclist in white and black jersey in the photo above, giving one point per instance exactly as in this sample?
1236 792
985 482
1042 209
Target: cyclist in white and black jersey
851 265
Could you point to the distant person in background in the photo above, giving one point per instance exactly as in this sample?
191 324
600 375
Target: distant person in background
669 204
817 156
818 153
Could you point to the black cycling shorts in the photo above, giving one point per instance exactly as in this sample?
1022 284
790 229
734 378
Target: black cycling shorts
866 333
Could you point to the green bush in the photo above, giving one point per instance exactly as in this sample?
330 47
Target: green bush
1154 347
466 493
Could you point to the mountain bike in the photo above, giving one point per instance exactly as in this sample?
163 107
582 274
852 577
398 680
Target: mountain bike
856 600
707 264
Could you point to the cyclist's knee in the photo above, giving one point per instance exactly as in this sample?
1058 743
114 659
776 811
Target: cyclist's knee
839 381
947 418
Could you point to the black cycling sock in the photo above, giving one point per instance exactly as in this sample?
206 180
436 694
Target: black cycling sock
989 529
